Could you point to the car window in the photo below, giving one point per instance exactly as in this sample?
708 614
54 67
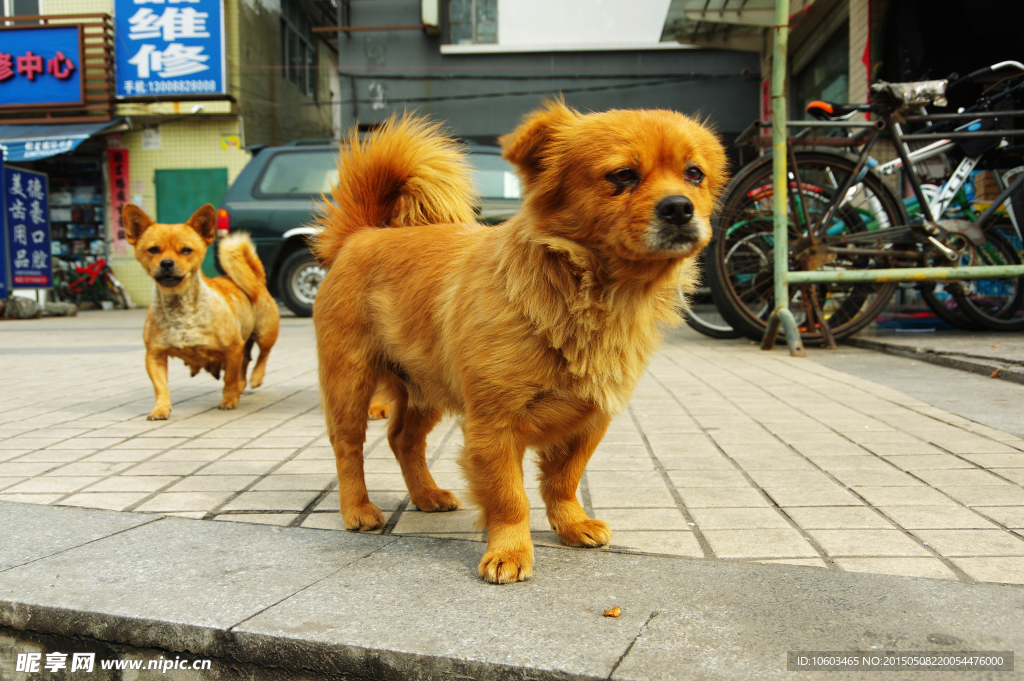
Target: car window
494 177
299 173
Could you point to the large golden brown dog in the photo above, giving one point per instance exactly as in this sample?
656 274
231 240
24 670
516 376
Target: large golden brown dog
211 324
535 331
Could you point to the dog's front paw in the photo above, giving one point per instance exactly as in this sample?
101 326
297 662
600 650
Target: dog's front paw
159 414
364 518
229 403
505 567
436 500
589 533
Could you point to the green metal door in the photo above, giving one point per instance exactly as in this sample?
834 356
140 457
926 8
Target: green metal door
181 191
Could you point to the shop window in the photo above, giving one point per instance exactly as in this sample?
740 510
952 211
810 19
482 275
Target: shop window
826 75
473 21
13 8
298 48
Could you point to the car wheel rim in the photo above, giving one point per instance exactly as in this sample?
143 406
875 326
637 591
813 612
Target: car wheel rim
306 281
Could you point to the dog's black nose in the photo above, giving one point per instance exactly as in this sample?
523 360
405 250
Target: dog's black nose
167 264
675 209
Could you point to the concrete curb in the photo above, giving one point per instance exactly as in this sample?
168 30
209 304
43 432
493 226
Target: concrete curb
985 366
303 603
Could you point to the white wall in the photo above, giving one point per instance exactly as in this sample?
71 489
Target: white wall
580 22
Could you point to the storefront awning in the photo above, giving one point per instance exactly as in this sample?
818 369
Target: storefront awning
33 142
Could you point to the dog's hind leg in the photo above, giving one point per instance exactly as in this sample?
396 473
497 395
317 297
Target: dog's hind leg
246 358
407 435
493 463
561 467
345 397
268 325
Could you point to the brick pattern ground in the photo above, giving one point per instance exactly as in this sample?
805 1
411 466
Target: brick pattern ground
725 453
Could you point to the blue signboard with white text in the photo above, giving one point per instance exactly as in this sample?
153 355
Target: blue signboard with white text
40 65
4 286
169 47
27 210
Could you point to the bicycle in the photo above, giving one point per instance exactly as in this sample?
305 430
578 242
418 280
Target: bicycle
843 216
94 282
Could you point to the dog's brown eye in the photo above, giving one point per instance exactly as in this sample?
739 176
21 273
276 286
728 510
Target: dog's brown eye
694 174
154 249
186 251
623 176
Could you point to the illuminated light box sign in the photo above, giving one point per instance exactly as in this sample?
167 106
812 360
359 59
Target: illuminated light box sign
169 47
40 66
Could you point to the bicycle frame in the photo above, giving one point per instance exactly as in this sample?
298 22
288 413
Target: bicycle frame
929 209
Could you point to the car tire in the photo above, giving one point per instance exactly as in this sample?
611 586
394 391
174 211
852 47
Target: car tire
299 278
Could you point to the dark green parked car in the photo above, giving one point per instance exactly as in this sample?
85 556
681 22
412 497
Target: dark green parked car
275 196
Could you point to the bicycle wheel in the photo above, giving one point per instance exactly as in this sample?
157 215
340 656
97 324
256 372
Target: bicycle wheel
865 232
702 314
941 301
995 304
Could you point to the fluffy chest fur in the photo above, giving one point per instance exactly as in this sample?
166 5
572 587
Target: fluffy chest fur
191 322
604 328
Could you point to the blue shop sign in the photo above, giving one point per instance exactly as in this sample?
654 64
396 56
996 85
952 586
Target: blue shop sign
4 284
27 210
41 65
169 47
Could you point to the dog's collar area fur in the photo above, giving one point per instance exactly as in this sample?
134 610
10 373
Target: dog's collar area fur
605 324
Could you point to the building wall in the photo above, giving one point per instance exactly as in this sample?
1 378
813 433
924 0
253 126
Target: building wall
275 110
483 95
860 30
184 143
75 6
575 22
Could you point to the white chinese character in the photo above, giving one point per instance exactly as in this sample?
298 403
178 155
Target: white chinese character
38 236
35 213
20 261
129 86
140 86
20 235
28 662
172 24
179 60
16 189
29 146
82 661
35 188
146 56
39 263
55 661
17 209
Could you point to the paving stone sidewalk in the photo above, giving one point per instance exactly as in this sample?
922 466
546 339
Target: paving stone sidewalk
725 453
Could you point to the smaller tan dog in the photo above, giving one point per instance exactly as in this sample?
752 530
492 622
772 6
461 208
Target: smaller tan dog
211 324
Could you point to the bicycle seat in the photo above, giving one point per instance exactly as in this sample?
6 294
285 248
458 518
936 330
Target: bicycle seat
834 111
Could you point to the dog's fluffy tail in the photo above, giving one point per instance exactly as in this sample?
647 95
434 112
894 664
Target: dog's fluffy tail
238 258
403 174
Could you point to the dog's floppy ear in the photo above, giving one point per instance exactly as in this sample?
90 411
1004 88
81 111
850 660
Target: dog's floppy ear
204 221
526 146
135 222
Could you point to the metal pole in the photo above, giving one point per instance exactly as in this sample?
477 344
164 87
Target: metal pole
781 181
908 274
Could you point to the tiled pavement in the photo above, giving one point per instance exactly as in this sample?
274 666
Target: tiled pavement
725 452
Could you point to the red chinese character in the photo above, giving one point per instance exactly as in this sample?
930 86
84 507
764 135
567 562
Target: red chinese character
5 67
60 66
30 65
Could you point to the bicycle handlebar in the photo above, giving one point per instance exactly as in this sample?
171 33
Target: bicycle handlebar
980 72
